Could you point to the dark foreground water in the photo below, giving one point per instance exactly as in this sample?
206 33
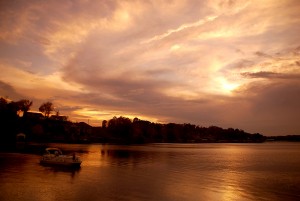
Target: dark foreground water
268 171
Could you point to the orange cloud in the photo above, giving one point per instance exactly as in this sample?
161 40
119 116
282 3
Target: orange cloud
179 61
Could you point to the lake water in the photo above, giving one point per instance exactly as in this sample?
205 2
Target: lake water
168 172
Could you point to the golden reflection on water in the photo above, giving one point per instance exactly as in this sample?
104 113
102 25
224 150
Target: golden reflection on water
230 179
94 157
197 180
163 172
230 194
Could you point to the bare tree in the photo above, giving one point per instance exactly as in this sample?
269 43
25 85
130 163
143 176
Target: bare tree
46 108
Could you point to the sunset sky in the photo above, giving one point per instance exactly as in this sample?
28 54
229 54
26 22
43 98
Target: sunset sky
213 62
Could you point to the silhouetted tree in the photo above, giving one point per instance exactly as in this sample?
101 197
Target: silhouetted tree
8 122
46 108
3 103
24 105
104 124
120 128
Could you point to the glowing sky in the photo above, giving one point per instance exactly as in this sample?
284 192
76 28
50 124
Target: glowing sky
211 62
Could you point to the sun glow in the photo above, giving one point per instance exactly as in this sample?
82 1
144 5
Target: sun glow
227 87
175 47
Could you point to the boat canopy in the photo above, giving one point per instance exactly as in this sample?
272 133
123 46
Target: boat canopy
53 151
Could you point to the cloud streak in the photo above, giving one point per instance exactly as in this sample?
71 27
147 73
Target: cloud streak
181 28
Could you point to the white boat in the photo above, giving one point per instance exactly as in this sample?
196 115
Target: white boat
54 156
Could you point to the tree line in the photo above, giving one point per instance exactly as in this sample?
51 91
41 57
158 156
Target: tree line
124 130
121 129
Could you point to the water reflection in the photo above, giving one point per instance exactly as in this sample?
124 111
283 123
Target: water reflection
157 172
72 171
126 157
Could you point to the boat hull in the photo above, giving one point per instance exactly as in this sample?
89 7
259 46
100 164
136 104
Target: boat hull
60 163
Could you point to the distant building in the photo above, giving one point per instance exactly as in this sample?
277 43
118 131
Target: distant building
59 117
34 115
85 130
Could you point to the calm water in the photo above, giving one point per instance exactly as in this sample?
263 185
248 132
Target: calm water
268 171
